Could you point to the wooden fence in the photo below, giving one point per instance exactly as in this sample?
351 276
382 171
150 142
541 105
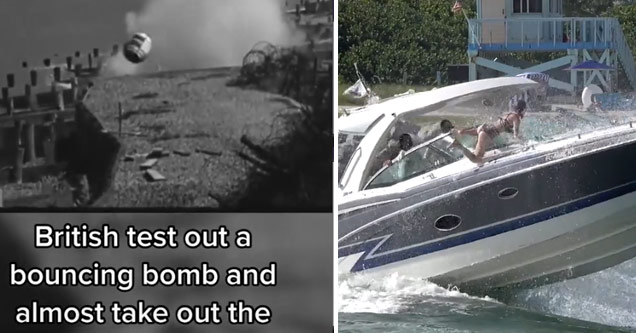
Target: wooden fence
36 101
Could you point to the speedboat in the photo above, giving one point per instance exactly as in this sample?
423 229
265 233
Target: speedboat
531 214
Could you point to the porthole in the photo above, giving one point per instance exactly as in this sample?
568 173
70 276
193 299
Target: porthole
448 222
508 193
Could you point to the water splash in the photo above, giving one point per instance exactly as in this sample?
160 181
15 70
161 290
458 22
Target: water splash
393 293
606 297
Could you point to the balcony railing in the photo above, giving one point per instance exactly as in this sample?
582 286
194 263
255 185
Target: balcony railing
541 34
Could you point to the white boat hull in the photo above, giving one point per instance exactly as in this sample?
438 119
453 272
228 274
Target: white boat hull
567 246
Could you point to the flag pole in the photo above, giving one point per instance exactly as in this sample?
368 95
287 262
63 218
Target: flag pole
465 15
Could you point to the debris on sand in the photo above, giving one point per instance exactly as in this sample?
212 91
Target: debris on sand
208 152
153 176
181 152
148 164
157 153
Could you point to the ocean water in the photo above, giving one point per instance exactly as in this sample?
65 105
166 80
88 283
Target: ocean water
600 302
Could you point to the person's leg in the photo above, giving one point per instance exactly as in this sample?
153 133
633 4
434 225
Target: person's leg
477 155
483 140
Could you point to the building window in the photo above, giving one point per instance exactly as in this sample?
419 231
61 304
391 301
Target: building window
527 6
535 6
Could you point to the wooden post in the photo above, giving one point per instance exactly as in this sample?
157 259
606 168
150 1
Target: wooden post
298 78
34 78
57 74
10 80
30 142
90 61
78 69
121 113
8 100
315 71
59 97
75 90
69 63
28 96
49 145
19 159
19 126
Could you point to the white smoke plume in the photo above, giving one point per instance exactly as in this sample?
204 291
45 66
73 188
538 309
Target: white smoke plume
205 33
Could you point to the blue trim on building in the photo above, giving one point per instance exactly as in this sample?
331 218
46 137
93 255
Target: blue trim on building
541 47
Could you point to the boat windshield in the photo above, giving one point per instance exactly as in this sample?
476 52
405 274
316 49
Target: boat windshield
417 161
347 145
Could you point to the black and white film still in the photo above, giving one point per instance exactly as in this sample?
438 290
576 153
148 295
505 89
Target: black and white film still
215 105
157 273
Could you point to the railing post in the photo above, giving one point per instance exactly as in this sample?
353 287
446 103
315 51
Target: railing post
522 36
584 31
506 32
573 41
595 30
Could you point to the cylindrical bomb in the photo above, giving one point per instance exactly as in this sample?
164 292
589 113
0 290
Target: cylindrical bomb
137 49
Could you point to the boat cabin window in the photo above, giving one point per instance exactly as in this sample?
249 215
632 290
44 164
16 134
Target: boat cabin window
416 162
347 144
349 168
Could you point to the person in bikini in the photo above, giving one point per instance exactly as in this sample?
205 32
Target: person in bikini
487 132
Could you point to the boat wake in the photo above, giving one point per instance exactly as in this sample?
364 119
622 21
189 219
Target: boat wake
590 302
606 297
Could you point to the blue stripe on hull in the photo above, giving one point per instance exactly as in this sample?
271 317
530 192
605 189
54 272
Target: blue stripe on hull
476 235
